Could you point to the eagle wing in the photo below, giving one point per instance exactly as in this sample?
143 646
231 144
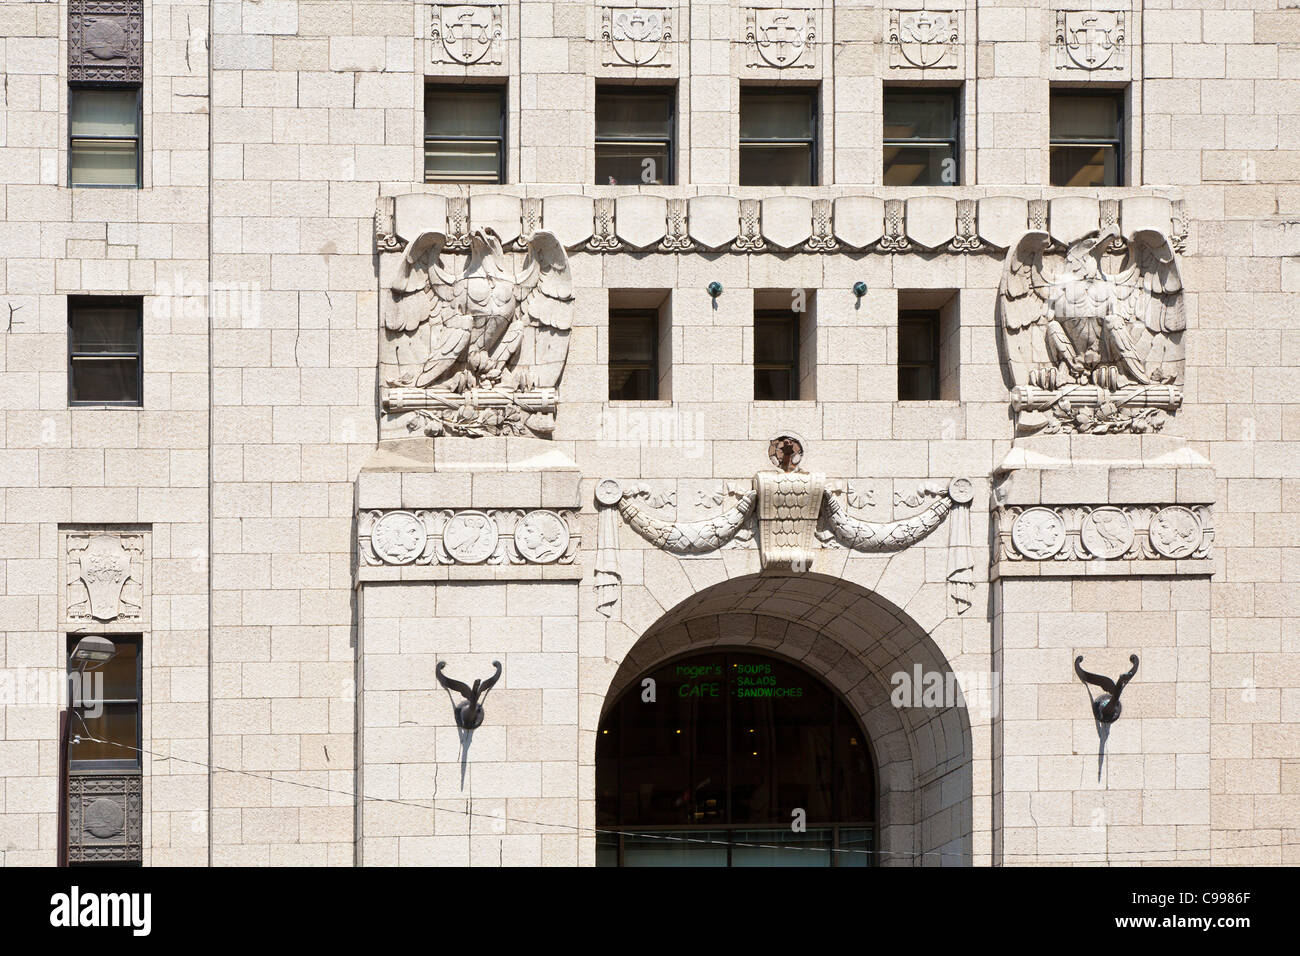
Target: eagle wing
546 300
1022 293
1148 296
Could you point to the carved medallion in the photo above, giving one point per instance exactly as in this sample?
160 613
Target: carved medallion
399 537
542 537
1038 533
103 818
609 491
923 38
781 38
636 36
466 34
1175 532
470 537
1106 532
105 41
1090 39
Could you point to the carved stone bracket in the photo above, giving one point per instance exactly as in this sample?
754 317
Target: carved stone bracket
106 41
469 536
1133 538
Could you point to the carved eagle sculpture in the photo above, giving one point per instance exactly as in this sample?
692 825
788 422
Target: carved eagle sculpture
1108 312
488 323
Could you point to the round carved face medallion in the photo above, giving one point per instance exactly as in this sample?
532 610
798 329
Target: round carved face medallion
470 537
398 537
1175 532
1038 533
1107 532
542 536
609 492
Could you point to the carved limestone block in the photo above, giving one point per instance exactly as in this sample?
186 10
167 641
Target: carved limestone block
105 41
465 34
636 36
1093 333
925 39
474 335
1118 539
1090 40
780 38
105 578
468 536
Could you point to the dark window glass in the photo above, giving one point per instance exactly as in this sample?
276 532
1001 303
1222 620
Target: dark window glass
633 355
105 700
778 137
103 137
918 356
634 137
464 135
920 147
776 356
1087 143
708 773
104 351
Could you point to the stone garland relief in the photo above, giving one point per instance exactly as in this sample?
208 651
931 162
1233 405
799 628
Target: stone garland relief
474 342
1093 334
1105 532
924 39
636 36
1090 40
791 513
399 538
780 37
104 577
467 34
106 41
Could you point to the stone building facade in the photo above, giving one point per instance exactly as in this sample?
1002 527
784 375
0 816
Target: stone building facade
325 491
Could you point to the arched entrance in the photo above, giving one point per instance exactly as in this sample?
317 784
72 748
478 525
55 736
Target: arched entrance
733 757
853 643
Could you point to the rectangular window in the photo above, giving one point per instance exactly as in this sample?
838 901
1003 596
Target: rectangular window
633 355
634 136
105 351
464 134
921 135
778 137
105 701
776 355
918 355
104 137
1087 138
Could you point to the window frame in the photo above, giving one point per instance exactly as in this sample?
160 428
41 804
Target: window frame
113 301
812 141
502 92
138 139
670 144
611 364
934 318
953 93
1119 95
793 319
102 765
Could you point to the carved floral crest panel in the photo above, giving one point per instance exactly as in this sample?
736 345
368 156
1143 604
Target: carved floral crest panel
780 37
105 41
105 578
636 36
1090 40
466 34
925 39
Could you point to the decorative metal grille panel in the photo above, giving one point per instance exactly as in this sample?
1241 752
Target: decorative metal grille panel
104 818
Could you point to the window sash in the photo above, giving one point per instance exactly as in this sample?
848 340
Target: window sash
1115 142
800 140
128 759
437 141
648 320
86 353
135 139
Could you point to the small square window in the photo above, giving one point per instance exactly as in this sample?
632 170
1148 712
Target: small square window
105 351
104 137
464 134
778 137
633 355
634 136
1087 138
921 131
776 355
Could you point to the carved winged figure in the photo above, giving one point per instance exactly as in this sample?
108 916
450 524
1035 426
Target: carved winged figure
475 320
1109 312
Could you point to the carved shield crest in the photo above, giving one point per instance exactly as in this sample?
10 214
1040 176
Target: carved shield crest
780 37
468 33
636 36
105 568
1089 39
924 38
